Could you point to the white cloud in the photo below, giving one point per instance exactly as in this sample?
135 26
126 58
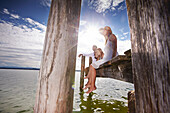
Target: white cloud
15 16
102 6
121 7
46 3
21 45
116 2
82 22
125 33
6 11
35 23
11 14
123 46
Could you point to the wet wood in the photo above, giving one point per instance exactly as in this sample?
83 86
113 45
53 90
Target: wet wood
119 68
82 73
131 102
150 35
57 71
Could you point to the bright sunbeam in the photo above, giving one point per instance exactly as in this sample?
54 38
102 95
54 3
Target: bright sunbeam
89 36
92 32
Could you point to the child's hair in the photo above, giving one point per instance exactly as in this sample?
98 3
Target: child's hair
99 54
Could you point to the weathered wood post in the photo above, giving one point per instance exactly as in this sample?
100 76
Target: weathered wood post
131 102
82 73
150 36
90 61
57 71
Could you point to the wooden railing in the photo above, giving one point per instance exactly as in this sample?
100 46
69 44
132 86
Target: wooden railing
83 71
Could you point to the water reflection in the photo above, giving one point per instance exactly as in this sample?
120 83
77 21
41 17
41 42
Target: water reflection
91 105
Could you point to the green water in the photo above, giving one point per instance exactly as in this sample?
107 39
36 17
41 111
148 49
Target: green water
91 105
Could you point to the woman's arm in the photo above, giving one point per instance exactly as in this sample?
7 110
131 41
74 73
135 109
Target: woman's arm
88 55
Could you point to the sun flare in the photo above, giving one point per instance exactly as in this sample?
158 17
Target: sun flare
89 36
92 31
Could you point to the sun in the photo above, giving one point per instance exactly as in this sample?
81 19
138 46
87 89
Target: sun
92 31
89 36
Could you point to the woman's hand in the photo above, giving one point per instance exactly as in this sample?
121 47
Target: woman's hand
80 55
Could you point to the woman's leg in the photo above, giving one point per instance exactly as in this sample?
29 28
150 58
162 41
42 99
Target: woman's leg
89 73
89 78
92 79
88 85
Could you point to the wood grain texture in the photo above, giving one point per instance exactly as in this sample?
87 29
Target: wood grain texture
90 61
131 102
150 36
119 68
82 73
57 71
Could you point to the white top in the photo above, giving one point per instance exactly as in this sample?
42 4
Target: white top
90 55
108 52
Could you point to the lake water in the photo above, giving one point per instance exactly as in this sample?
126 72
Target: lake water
18 89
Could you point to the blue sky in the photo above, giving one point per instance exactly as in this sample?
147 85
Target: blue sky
23 26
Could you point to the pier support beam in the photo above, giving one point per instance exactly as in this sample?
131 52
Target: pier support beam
131 102
90 61
82 73
150 36
57 71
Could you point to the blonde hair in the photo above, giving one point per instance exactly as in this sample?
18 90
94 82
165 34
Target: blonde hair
108 30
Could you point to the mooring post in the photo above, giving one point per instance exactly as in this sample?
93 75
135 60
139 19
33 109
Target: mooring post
57 71
82 73
90 61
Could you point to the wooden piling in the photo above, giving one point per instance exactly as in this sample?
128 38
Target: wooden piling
149 22
57 71
90 61
131 102
82 73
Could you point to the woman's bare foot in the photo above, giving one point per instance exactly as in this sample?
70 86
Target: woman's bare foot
91 89
86 77
87 86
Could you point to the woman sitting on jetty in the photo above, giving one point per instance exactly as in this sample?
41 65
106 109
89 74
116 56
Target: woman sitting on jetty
110 51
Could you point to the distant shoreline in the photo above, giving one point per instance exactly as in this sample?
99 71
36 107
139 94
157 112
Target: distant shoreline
23 68
20 68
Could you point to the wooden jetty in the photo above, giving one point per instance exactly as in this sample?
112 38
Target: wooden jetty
119 68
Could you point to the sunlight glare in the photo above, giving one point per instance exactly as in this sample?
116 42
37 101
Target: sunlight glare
92 31
90 36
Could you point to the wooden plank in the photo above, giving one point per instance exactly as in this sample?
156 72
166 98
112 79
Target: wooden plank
119 68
